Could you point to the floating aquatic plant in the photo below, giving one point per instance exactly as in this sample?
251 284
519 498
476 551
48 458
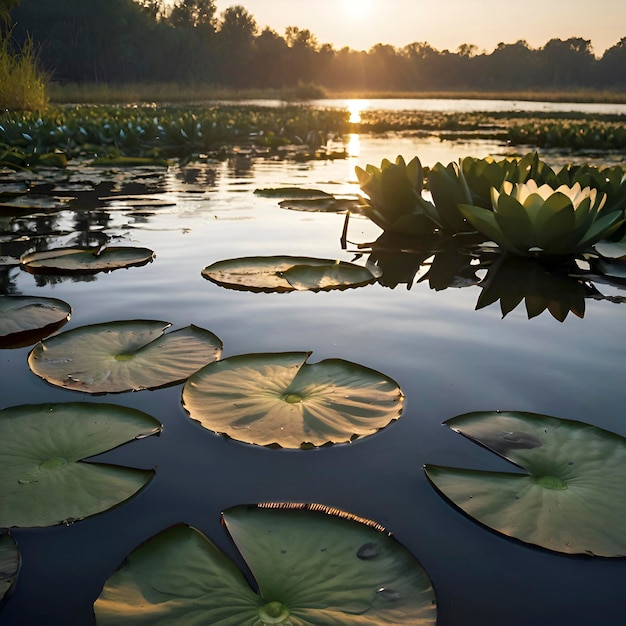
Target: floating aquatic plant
24 320
44 479
568 496
9 564
312 565
538 221
280 399
123 356
394 200
287 273
85 260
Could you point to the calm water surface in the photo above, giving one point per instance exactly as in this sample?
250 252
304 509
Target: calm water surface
448 358
458 105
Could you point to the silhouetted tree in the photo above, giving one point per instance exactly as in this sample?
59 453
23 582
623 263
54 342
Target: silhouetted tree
236 45
612 65
149 40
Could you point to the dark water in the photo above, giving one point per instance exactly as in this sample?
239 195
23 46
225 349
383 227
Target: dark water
448 358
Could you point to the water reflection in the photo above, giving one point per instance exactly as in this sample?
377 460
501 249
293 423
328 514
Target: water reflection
355 108
444 263
513 280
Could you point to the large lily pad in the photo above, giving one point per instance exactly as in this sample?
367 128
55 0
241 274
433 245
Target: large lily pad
9 564
123 356
287 273
313 565
570 498
24 320
44 480
279 399
85 260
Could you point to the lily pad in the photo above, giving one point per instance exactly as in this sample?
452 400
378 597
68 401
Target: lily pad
24 320
287 273
322 205
293 193
85 260
279 399
123 356
9 564
313 565
44 480
569 499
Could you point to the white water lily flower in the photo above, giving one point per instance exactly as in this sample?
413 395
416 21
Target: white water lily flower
526 194
533 220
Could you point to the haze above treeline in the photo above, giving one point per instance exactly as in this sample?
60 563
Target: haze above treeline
129 41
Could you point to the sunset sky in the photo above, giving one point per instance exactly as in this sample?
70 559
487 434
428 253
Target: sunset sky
445 24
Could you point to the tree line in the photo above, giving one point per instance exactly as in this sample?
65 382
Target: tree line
121 41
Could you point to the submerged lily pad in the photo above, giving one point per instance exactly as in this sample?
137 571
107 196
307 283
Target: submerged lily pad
44 480
24 320
123 356
312 564
85 260
570 498
287 273
279 399
9 564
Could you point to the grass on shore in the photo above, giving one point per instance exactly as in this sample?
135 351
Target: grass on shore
102 93
22 85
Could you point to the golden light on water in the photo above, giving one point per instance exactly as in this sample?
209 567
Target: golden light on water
354 145
355 108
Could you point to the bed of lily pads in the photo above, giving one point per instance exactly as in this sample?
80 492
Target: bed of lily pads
312 563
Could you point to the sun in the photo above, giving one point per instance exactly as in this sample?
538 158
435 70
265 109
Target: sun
356 9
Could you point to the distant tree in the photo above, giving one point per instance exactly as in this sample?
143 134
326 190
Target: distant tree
567 63
509 66
419 58
467 50
612 65
270 58
88 40
199 14
303 46
236 34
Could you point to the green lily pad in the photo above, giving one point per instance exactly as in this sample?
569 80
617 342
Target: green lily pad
24 320
286 273
293 193
123 356
279 399
322 205
313 565
85 260
569 499
9 564
44 480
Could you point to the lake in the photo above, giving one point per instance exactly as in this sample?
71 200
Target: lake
447 357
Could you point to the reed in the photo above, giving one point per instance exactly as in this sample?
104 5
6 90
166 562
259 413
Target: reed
22 84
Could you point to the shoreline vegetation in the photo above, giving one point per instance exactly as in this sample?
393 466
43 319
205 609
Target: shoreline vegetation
131 51
162 93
